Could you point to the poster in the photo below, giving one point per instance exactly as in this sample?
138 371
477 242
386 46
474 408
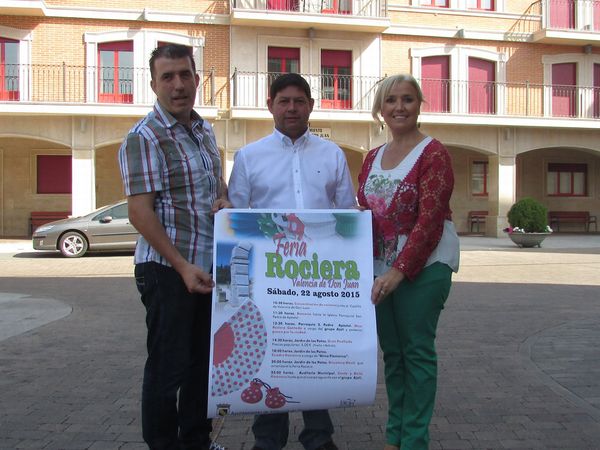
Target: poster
293 327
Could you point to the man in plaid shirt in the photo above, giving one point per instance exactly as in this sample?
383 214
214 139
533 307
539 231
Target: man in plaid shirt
171 171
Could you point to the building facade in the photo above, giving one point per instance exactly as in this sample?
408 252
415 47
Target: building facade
512 89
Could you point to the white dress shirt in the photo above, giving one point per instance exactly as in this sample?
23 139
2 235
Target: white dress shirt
273 172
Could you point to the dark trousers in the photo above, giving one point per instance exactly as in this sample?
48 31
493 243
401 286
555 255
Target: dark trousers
175 388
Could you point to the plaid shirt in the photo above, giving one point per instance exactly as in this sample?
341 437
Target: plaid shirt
183 167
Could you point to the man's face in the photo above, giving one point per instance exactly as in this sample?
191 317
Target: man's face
291 109
175 84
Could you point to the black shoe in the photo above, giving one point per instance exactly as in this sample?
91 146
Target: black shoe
328 446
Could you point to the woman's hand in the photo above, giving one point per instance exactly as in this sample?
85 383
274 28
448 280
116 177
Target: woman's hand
385 284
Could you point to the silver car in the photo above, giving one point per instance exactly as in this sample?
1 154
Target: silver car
107 228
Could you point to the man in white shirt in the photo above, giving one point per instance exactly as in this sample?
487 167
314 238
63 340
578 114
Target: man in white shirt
292 169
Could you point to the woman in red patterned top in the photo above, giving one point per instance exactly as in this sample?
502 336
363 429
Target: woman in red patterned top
407 184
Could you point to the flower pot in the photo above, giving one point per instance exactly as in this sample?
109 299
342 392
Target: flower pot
528 239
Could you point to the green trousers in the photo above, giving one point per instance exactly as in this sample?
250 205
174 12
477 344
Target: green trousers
406 325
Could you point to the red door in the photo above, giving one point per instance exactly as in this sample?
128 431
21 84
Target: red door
9 69
564 79
435 82
482 86
115 72
336 79
562 14
283 5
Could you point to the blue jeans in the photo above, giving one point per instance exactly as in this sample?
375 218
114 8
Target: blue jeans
175 387
271 430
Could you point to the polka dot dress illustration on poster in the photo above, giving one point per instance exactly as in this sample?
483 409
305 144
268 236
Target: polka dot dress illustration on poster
239 349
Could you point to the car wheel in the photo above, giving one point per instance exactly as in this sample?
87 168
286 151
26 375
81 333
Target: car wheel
73 244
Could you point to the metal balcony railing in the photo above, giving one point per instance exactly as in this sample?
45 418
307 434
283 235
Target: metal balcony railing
343 92
355 94
582 15
63 83
361 8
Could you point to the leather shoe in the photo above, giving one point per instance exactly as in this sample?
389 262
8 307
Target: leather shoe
328 446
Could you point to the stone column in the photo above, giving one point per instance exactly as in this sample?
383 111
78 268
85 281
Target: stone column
501 183
83 179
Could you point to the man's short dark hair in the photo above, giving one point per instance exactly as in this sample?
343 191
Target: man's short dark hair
171 51
288 79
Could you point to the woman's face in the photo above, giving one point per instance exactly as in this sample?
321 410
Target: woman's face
401 108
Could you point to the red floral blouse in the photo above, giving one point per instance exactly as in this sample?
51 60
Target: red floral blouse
418 208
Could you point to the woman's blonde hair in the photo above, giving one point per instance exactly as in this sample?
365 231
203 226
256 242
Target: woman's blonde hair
384 88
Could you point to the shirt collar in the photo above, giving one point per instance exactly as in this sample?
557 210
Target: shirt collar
170 121
287 141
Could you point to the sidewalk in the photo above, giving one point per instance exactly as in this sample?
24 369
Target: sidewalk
517 344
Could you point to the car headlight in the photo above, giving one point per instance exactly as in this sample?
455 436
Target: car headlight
43 228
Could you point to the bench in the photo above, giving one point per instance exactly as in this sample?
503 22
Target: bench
476 218
556 218
39 218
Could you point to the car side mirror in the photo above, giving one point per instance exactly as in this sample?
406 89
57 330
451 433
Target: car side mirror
106 219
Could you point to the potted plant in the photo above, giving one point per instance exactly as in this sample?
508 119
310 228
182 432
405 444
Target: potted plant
528 221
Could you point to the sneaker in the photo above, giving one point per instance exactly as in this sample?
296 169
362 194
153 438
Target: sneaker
215 446
328 446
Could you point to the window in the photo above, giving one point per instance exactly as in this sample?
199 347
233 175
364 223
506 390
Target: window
115 72
437 3
567 180
337 6
486 5
9 69
596 13
53 174
283 5
562 14
479 178
435 83
118 212
564 80
482 86
283 60
336 79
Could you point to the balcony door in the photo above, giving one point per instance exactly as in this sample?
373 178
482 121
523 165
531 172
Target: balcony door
562 14
336 79
564 81
435 73
482 86
337 7
596 12
283 5
9 69
115 72
282 60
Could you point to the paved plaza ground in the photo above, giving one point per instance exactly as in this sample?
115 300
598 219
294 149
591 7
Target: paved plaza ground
517 342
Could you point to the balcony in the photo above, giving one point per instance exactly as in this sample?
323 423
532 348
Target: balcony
348 15
340 97
570 22
87 90
350 98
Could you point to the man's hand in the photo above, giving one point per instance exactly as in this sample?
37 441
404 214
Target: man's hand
221 203
196 280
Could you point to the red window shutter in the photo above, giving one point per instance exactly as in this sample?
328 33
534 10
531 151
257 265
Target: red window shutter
564 79
482 87
435 82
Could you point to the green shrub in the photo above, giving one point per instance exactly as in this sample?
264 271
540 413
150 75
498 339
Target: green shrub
528 214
